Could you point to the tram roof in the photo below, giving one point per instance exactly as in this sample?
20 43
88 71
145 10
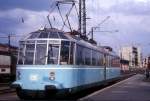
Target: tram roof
53 33
47 33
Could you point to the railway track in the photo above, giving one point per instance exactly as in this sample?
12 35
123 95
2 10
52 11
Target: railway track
5 88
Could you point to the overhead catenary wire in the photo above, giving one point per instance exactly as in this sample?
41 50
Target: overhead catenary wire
67 15
76 10
64 24
69 23
49 22
65 21
52 8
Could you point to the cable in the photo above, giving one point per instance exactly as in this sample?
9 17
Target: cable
68 14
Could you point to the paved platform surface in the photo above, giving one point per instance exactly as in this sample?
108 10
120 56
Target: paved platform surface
135 88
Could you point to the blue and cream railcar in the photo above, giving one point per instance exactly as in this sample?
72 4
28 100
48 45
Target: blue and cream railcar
53 61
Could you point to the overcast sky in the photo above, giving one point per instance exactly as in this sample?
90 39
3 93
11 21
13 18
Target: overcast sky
130 17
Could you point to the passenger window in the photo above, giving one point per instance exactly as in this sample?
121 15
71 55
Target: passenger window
101 59
79 55
108 61
87 56
72 53
94 57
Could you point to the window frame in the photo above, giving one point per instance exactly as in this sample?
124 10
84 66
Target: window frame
36 51
59 46
33 52
35 42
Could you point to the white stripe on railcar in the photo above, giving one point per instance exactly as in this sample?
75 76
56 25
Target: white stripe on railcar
60 68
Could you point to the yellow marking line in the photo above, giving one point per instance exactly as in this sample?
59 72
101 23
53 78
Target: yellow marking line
104 89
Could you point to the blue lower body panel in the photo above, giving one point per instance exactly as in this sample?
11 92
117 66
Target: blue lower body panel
65 77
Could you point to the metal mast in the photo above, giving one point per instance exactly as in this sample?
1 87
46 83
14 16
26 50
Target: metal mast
82 18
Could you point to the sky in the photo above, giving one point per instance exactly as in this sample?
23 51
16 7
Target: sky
129 17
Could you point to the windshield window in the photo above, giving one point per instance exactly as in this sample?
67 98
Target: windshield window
29 53
21 53
64 57
53 52
40 55
39 52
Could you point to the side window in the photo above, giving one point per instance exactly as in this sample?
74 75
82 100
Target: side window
72 53
101 59
64 56
88 57
94 58
97 58
106 60
79 55
98 61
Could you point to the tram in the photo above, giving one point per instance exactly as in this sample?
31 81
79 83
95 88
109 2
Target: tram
53 62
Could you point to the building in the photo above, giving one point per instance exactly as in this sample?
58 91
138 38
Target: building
8 60
145 61
133 55
124 65
6 48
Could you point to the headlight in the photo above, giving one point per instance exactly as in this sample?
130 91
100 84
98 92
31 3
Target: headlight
52 76
33 77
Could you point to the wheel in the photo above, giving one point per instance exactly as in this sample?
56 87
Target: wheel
12 78
23 95
29 95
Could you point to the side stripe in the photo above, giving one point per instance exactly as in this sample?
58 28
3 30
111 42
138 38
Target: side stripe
40 68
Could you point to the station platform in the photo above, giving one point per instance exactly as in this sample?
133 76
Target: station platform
135 88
